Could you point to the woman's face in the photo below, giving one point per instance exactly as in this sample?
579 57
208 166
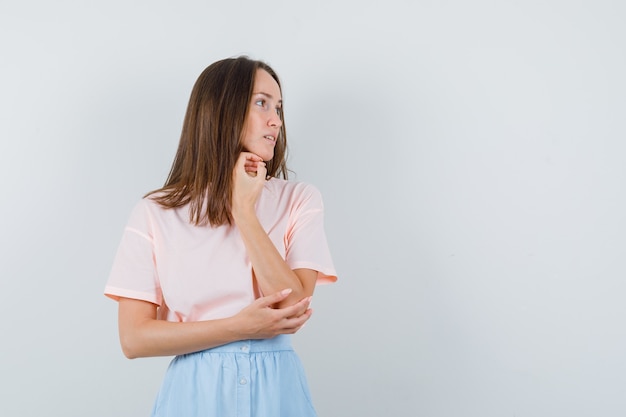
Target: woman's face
263 121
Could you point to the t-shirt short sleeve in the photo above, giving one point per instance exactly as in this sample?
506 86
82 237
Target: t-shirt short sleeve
133 274
305 238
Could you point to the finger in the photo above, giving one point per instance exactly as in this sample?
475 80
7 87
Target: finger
249 156
262 170
255 165
297 309
245 159
294 324
256 170
250 168
304 317
303 307
274 298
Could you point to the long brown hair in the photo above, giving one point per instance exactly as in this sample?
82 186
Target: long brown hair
211 141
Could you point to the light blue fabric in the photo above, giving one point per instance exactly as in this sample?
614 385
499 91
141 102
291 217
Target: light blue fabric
249 378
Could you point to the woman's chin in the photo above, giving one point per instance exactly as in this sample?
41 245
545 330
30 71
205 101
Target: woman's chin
266 156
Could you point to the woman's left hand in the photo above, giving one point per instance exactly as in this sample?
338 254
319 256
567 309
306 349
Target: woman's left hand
248 181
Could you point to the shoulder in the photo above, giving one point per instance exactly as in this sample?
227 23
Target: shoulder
280 186
146 205
293 190
146 210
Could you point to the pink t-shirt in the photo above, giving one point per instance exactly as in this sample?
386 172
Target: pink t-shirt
200 272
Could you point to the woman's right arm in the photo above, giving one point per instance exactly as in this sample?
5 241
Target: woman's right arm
142 335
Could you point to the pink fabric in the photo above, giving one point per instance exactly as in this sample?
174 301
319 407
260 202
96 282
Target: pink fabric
200 273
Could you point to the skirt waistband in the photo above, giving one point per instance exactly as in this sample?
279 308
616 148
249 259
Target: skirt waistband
280 342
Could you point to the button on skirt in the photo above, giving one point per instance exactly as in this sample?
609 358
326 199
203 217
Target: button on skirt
249 378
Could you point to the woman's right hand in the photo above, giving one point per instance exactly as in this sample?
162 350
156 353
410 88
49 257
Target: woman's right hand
248 181
260 321
142 334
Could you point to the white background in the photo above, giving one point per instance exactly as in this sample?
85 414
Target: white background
470 154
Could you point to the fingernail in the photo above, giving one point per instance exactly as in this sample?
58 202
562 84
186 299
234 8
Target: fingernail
286 291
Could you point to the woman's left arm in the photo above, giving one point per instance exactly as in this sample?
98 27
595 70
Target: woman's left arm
270 269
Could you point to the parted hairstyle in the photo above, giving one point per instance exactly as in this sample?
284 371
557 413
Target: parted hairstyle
211 141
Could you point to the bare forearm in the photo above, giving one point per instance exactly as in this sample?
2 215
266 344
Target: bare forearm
151 337
141 334
270 269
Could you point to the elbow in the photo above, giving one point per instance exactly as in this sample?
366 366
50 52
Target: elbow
130 347
134 326
129 353
293 298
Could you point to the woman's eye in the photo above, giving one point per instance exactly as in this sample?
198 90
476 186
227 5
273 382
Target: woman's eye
260 102
279 111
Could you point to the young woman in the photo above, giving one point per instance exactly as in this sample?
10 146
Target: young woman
219 265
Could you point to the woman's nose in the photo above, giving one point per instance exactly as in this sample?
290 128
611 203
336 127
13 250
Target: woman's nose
275 121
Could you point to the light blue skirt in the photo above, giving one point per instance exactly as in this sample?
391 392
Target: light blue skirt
260 378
